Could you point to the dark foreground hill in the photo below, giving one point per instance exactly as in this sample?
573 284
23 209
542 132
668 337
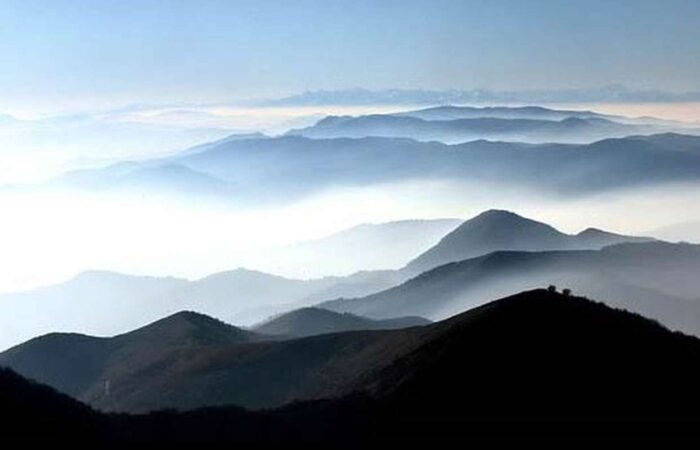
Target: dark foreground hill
81 365
151 373
534 362
313 321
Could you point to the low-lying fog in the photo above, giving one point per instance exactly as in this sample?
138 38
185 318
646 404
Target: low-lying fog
38 147
46 238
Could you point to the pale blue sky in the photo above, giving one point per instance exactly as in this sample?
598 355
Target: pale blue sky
96 52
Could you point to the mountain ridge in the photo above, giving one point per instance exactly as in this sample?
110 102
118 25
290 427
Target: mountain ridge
311 321
425 370
288 167
54 358
456 130
630 373
655 279
496 230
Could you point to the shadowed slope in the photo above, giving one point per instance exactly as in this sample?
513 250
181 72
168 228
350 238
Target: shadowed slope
313 321
536 362
542 355
79 365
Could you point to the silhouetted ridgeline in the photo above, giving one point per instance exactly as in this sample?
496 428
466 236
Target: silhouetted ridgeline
314 321
656 279
495 230
455 130
251 171
534 362
104 303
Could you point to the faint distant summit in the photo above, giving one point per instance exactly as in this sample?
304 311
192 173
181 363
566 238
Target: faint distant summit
358 96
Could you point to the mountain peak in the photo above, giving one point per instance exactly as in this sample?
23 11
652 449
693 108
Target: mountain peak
496 214
590 231
499 230
490 231
191 317
241 273
597 238
187 327
98 274
498 220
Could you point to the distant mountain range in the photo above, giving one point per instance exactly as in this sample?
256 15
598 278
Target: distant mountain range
423 144
151 367
486 369
277 170
358 96
455 124
502 112
313 321
105 303
576 130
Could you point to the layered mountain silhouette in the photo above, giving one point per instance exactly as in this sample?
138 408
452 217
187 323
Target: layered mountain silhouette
95 302
569 130
655 279
84 366
488 232
495 230
188 360
246 296
538 362
287 167
501 112
291 164
451 112
106 303
313 321
359 96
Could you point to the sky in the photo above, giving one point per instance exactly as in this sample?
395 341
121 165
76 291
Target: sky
63 55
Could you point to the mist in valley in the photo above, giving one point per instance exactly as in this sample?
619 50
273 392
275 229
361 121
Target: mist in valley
49 239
